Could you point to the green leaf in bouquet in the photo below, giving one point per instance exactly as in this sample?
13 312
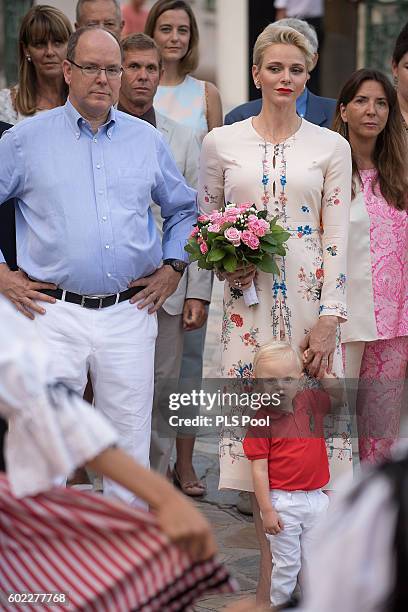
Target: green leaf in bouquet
267 264
269 248
215 254
229 263
262 214
269 239
228 248
280 250
203 265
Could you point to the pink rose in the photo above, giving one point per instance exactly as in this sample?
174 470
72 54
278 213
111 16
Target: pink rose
233 235
194 232
203 248
214 227
231 214
259 227
216 217
250 239
203 218
244 207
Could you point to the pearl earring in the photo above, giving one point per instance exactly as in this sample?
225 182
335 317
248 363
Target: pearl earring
28 57
258 85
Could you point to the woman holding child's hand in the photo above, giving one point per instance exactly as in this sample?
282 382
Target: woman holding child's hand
301 174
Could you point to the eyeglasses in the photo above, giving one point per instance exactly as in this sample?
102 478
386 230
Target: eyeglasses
112 72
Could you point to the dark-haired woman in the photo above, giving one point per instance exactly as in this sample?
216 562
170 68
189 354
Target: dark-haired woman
43 39
376 334
400 72
183 98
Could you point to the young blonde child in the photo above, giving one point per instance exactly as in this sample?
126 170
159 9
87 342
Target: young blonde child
289 464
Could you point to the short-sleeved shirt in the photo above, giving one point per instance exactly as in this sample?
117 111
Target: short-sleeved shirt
293 443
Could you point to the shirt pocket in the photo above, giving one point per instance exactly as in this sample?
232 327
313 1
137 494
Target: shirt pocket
134 190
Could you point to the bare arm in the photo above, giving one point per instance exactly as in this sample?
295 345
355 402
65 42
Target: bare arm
270 518
177 517
214 106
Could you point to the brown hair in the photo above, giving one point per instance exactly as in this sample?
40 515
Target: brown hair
391 151
189 63
401 46
41 24
140 42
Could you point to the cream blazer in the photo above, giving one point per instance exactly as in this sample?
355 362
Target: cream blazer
361 325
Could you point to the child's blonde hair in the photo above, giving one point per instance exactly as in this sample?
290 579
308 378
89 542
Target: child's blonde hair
277 349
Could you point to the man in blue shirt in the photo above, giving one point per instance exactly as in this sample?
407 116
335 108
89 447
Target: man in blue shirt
83 176
316 109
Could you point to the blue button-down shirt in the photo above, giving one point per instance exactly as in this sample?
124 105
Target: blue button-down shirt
83 218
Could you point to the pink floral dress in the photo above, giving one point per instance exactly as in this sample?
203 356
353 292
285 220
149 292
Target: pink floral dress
384 361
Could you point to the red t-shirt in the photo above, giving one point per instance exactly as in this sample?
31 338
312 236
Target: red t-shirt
293 443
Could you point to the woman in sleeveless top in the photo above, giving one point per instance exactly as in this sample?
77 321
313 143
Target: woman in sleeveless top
43 39
99 553
376 335
172 24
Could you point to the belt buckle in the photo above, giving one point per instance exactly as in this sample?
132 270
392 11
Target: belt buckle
90 297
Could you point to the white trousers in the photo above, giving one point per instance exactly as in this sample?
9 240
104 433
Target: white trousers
116 345
300 511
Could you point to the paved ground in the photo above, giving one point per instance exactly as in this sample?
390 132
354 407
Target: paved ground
235 533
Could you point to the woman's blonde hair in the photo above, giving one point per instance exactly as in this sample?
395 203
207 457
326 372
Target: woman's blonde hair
277 349
189 62
275 35
41 24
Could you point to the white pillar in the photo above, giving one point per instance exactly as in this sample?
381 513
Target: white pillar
232 52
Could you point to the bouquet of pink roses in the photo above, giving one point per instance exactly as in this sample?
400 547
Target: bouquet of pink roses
237 235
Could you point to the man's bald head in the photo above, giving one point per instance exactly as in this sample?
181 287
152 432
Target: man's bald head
98 34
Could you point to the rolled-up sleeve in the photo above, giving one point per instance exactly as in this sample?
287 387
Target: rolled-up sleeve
12 170
51 429
178 203
335 223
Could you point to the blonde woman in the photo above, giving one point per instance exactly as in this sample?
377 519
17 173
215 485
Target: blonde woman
43 39
173 26
302 174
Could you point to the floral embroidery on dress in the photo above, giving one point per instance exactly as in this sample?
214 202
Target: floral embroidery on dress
249 338
241 370
334 199
332 249
227 327
341 282
338 309
304 208
311 285
304 231
235 293
237 319
208 198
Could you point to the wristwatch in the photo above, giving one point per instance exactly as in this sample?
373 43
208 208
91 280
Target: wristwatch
177 264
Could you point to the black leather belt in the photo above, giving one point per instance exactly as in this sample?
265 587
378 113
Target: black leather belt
92 302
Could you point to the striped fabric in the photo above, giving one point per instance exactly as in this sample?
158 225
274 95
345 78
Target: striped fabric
105 556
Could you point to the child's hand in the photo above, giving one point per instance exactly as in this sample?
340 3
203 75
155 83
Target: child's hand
272 522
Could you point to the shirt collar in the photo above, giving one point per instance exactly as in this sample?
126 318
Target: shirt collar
301 102
77 122
149 116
